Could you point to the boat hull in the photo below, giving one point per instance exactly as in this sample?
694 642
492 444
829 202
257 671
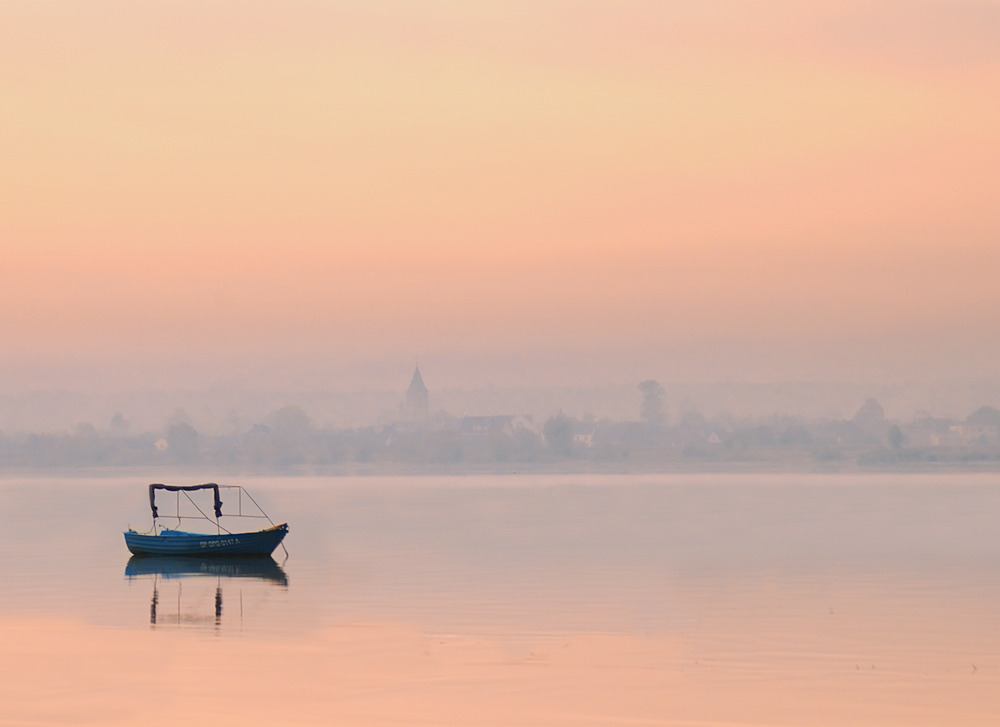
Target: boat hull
260 543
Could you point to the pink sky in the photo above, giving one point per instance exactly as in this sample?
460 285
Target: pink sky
812 191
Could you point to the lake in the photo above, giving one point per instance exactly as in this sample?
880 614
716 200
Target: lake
516 600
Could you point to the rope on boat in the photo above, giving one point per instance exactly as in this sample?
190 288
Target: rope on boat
268 518
204 515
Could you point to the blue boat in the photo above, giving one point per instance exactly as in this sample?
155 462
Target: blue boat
223 543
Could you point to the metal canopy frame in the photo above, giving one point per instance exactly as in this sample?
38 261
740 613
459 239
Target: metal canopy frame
217 503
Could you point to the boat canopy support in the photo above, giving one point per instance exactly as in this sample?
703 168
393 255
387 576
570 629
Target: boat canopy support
185 488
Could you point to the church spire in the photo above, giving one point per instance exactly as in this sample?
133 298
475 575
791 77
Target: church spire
417 383
417 397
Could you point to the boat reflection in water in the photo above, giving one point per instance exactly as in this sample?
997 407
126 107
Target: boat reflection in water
165 569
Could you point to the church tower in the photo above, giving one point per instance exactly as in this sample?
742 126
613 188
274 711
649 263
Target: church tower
417 399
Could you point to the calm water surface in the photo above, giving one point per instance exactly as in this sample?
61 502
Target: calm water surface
653 600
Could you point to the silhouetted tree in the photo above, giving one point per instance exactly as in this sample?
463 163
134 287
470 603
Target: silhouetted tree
289 421
182 442
692 421
895 437
558 431
870 417
367 445
86 430
527 443
758 436
795 435
987 416
445 446
652 402
502 446
178 417
119 426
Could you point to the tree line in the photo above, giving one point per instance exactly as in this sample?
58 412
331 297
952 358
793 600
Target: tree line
288 439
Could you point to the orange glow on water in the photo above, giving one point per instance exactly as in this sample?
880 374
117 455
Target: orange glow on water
875 661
